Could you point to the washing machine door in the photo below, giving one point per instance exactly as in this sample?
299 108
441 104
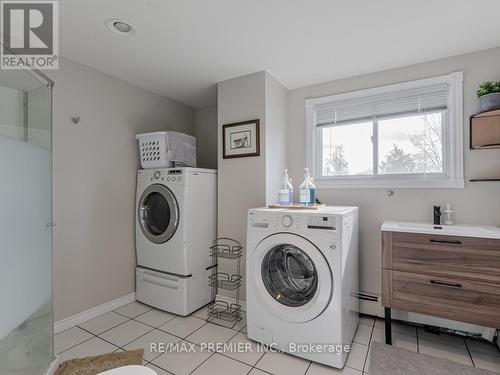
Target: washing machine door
158 213
292 277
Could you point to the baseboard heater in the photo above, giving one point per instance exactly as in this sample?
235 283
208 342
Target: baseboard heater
366 296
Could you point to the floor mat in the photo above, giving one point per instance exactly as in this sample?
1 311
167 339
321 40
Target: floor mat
100 363
389 360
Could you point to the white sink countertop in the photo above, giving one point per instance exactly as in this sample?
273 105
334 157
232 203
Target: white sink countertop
479 231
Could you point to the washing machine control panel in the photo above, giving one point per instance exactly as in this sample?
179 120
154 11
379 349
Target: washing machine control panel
305 223
322 222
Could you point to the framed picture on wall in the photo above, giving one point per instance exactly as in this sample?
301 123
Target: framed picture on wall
241 139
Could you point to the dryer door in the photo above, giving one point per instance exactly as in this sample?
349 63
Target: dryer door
291 277
158 213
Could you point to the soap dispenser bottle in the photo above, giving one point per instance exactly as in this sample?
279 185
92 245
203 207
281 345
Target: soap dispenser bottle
448 215
285 196
307 190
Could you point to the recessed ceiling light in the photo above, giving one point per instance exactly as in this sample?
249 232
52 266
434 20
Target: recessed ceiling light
119 26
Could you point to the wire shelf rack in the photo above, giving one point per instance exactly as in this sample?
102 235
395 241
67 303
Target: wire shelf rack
220 311
223 280
227 251
224 311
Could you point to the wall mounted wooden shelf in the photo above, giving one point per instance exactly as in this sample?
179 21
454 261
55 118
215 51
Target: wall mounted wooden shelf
485 130
485 134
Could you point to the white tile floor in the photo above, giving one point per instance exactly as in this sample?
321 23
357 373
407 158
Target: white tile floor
136 325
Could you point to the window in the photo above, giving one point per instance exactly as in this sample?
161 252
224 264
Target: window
403 135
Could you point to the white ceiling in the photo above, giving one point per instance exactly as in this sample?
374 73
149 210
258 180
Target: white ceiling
183 48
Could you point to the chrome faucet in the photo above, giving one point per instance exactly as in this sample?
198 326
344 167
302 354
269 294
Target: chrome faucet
437 215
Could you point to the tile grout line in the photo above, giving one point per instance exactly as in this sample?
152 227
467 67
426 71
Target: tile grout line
470 354
255 364
368 351
144 312
172 334
130 342
158 327
186 339
159 365
109 342
151 363
264 371
109 329
153 328
112 343
74 346
224 342
308 367
166 321
260 359
418 344
150 309
196 330
123 347
201 364
234 359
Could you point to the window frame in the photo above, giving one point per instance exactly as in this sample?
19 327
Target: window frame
453 174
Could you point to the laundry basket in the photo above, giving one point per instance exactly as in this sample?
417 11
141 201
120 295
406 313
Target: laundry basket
167 149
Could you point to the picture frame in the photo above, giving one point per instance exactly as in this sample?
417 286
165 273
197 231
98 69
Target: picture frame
241 139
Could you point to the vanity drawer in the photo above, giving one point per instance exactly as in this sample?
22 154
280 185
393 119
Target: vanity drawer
463 257
446 297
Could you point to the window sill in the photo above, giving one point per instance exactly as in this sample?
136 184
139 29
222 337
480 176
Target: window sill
389 183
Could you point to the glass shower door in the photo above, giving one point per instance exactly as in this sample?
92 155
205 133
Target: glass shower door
26 315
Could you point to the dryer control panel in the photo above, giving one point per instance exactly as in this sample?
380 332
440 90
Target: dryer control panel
147 176
174 175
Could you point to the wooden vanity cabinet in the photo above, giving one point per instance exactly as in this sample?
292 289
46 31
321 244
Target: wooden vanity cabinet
449 277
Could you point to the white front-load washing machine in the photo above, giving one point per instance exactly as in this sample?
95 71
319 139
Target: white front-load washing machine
176 221
302 281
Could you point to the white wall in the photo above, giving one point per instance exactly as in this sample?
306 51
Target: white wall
478 203
276 139
205 121
241 181
95 166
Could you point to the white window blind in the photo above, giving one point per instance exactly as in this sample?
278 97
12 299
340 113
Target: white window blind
405 102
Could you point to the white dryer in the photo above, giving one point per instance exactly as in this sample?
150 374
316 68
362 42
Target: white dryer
175 225
302 281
